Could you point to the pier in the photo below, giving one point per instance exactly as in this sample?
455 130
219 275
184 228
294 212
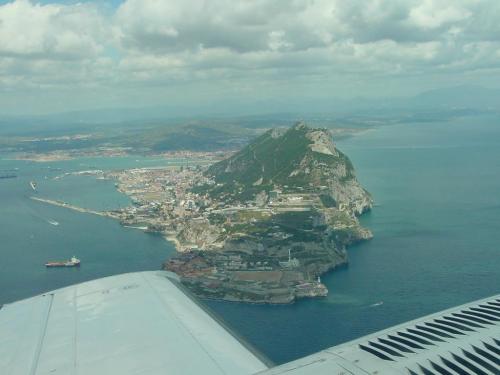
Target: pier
75 208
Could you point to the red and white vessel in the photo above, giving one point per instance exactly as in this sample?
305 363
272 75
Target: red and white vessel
73 262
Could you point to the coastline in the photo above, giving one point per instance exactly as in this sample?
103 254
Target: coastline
170 238
303 286
312 289
273 248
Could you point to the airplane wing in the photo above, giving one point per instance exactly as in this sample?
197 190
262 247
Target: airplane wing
146 323
462 340
137 323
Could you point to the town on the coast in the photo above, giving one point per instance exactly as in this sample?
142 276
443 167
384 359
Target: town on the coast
260 225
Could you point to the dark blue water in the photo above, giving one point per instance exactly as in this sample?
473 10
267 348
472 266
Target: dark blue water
436 225
28 239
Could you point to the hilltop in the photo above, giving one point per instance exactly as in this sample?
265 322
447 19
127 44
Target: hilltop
295 160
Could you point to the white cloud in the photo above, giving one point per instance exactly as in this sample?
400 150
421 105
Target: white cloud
145 42
432 14
50 31
283 30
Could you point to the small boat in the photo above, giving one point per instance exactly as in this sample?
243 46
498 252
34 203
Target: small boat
33 185
73 262
53 222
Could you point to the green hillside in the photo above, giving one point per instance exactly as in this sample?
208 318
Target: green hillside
299 159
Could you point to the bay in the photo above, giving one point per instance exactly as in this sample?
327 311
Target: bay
32 233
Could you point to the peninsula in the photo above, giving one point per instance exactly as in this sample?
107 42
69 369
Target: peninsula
259 226
267 222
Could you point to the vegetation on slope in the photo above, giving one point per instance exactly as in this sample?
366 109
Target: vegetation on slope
280 159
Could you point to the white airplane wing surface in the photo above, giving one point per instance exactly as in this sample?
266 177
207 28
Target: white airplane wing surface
146 323
137 323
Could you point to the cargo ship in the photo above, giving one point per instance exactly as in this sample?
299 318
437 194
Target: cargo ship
73 262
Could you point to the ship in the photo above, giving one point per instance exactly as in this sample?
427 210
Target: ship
33 185
73 262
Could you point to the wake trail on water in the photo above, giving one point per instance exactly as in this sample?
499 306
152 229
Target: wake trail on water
34 213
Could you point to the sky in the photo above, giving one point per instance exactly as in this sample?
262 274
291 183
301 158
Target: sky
58 56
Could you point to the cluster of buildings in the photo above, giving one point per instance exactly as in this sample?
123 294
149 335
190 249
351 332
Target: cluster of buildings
160 194
232 277
166 201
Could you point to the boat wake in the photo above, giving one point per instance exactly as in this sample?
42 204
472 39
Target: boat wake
131 226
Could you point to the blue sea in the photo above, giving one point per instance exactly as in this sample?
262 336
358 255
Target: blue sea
28 239
436 223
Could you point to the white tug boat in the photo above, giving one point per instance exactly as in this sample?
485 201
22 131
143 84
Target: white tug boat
73 262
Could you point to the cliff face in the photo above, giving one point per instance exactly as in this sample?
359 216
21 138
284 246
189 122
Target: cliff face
296 160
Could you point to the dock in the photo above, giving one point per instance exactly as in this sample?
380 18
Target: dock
75 208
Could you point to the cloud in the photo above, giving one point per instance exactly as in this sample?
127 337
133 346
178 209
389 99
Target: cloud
433 14
168 26
251 31
241 42
54 32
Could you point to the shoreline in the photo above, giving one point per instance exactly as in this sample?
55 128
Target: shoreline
170 238
254 237
174 241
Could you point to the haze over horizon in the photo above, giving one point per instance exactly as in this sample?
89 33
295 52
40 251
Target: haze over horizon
59 56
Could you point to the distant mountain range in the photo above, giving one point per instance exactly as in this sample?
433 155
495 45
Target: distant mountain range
464 97
166 128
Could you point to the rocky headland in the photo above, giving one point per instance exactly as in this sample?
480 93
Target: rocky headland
271 219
